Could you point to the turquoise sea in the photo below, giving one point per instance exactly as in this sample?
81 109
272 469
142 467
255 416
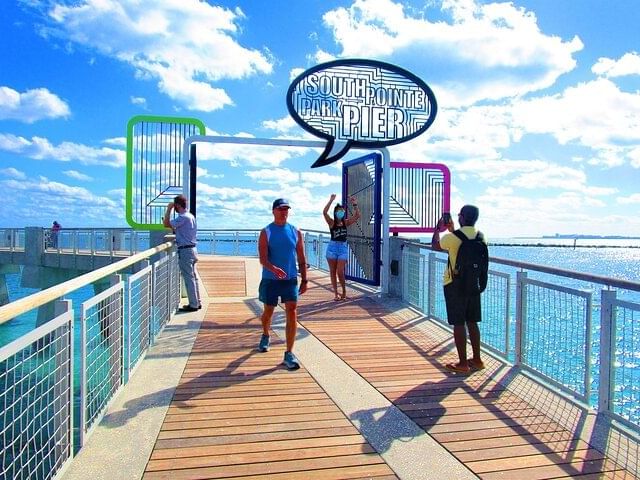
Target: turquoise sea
607 257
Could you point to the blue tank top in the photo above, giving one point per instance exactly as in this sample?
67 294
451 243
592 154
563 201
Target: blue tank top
282 241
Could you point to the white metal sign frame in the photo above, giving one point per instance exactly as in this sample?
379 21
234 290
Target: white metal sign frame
386 161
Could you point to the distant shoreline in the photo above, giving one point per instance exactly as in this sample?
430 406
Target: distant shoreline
561 245
584 237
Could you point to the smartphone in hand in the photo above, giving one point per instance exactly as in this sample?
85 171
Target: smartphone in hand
446 218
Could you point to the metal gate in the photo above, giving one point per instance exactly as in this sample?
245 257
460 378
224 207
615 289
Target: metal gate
361 178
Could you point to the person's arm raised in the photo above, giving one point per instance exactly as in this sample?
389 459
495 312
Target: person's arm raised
325 212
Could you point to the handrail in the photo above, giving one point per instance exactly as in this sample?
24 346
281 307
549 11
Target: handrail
13 309
587 277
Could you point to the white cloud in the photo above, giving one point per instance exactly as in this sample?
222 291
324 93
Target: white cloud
241 207
39 148
282 125
492 51
186 46
13 173
284 176
276 176
628 64
116 141
78 176
81 207
634 198
596 114
31 106
138 101
204 173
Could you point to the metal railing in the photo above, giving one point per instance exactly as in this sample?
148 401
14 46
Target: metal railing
12 239
567 329
116 327
112 241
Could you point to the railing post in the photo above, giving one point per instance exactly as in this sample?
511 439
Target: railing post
431 294
63 390
521 314
607 344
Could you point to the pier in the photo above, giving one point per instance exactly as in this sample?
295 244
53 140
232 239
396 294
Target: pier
372 399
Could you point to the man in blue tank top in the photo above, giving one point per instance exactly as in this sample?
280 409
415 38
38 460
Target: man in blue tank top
280 246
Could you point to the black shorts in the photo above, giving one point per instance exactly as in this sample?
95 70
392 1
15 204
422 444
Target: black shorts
461 310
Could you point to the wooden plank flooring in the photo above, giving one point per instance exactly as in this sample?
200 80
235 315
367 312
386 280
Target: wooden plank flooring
238 413
497 434
222 277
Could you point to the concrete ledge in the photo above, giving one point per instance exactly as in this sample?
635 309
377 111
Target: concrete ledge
121 444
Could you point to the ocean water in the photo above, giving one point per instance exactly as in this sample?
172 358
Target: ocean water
611 258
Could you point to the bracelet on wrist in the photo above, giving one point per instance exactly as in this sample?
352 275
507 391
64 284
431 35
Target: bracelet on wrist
304 281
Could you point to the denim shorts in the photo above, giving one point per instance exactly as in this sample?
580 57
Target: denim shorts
269 291
337 251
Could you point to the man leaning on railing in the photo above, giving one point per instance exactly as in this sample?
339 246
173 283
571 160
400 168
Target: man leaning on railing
184 225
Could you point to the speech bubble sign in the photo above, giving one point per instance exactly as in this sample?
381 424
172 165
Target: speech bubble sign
360 103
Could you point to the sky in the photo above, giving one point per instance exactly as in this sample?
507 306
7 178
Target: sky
538 104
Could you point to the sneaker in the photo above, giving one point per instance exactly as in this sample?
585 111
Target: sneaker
188 308
290 361
263 346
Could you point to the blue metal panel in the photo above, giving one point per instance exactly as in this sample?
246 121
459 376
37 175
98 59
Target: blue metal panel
361 178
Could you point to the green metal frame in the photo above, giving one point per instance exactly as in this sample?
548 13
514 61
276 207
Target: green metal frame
129 200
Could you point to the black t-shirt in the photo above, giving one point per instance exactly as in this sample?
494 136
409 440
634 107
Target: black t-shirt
339 233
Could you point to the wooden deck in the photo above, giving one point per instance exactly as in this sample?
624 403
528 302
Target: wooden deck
238 414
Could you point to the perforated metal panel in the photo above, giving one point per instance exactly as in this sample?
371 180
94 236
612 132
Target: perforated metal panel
361 178
419 194
154 166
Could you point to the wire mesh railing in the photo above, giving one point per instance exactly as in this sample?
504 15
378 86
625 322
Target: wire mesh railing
102 355
38 398
139 315
36 422
579 339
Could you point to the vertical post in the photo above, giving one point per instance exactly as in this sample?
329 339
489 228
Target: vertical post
431 295
386 195
507 323
607 339
83 375
521 314
193 163
63 390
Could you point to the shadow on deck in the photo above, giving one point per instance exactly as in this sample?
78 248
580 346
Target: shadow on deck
237 413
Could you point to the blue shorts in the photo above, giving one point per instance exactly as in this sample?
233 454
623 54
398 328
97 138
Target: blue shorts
337 251
269 291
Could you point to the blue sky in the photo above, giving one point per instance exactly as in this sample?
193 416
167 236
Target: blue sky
538 104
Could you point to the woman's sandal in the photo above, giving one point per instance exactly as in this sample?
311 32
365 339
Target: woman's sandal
336 298
455 368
